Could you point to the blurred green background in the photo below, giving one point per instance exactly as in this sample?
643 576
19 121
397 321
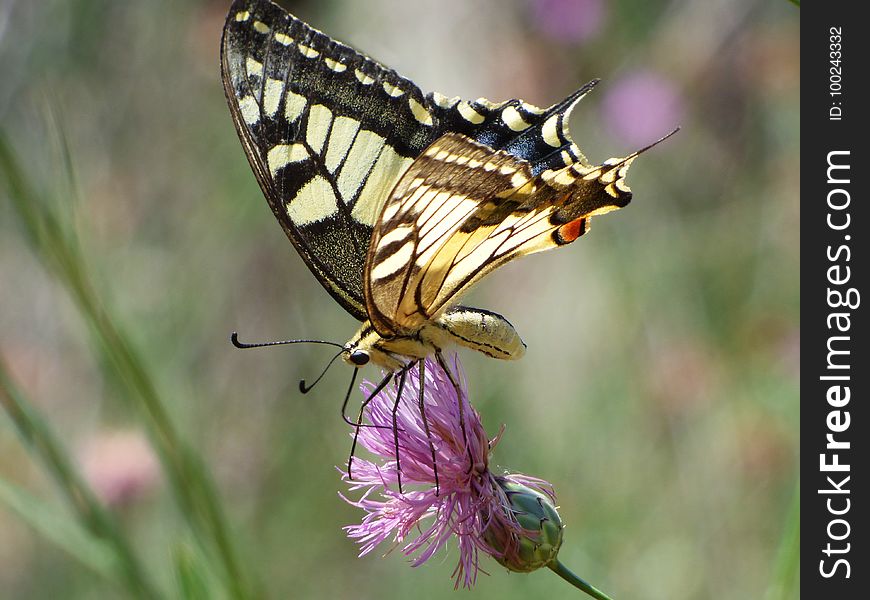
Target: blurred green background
660 389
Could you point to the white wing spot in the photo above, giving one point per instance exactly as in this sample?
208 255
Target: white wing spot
393 90
518 180
250 109
308 51
419 112
443 101
469 114
282 155
319 119
283 38
565 177
314 202
293 106
253 67
335 65
513 119
549 131
608 177
242 16
272 96
363 78
261 27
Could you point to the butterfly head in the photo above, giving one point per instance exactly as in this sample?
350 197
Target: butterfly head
392 354
358 358
359 355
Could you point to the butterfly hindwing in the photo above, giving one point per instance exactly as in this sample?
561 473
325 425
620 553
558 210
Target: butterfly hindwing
463 209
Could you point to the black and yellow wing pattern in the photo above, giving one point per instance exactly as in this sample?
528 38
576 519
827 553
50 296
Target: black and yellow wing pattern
329 133
460 211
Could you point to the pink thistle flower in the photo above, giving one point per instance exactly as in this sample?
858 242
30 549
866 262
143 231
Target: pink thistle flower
469 501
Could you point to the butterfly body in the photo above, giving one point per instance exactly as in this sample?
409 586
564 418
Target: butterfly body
480 330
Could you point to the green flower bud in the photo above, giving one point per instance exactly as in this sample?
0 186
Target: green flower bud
536 542
541 537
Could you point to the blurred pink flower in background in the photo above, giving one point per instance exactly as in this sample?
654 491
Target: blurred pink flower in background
120 466
571 21
641 107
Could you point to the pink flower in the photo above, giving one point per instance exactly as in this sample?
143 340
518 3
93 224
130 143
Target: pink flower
120 466
469 501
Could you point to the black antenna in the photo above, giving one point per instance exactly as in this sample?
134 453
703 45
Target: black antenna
655 143
234 338
307 388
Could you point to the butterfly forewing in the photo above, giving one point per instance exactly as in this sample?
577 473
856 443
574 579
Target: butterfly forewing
327 131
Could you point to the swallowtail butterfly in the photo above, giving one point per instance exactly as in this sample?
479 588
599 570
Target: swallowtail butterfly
398 201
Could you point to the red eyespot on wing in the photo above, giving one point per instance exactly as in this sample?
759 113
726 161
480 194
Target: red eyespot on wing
572 230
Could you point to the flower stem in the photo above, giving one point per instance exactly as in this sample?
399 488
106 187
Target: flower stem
566 574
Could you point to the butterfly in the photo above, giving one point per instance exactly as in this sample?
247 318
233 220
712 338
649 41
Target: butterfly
397 201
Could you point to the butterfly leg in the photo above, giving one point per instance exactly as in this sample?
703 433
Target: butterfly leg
421 365
359 422
443 364
401 386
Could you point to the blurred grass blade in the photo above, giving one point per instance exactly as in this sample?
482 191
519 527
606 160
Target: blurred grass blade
94 518
788 557
193 579
61 531
188 478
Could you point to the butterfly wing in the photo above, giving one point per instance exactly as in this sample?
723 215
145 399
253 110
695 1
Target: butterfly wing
461 210
327 131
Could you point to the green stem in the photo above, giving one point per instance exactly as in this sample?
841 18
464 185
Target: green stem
566 574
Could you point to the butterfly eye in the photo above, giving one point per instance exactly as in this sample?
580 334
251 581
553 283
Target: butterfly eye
359 357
